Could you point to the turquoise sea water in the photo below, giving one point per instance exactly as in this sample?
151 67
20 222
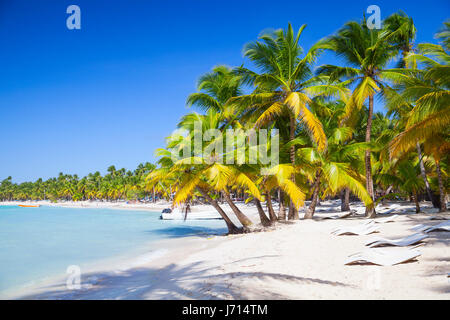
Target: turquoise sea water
36 243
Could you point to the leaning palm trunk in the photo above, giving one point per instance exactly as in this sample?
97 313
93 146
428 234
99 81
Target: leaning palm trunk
312 207
282 209
442 204
243 219
272 215
293 212
345 200
370 211
262 216
232 228
154 194
388 190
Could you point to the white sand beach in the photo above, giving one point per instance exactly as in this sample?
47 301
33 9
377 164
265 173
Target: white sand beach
293 260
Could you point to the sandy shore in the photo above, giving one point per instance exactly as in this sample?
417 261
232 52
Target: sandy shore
298 260
158 206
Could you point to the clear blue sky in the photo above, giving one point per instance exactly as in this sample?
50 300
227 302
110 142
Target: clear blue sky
78 101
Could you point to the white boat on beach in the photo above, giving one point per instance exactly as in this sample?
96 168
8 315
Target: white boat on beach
196 215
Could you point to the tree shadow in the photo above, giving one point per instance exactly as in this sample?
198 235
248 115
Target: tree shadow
172 282
180 232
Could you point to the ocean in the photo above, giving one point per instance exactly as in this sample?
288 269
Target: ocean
37 243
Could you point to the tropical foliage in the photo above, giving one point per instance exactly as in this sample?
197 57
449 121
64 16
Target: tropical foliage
115 185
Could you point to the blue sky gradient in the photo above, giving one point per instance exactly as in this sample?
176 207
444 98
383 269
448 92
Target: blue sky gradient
78 101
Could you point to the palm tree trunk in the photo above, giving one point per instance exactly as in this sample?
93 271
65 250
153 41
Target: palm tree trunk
416 201
272 215
262 215
442 204
293 212
232 228
243 219
383 201
153 197
282 209
370 211
423 172
345 200
316 188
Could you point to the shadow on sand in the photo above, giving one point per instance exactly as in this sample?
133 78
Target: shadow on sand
171 282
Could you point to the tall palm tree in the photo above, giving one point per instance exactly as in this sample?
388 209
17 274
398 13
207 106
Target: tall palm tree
429 120
366 53
401 32
283 88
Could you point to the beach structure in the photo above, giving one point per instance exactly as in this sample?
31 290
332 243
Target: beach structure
340 215
383 256
178 214
384 220
444 226
400 242
361 229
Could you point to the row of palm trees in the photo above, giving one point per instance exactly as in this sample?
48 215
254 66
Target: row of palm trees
331 141
115 185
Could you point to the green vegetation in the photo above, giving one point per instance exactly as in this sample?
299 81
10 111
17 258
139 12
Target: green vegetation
117 184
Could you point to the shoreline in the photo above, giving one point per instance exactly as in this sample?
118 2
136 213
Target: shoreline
294 260
158 206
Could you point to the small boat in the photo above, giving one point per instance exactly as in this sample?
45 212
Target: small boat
178 215
29 205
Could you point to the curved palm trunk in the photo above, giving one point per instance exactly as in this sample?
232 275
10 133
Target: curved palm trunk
293 212
282 209
243 219
262 216
345 200
272 215
232 228
442 204
312 207
370 211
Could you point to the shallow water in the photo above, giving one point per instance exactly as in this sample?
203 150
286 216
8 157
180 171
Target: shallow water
36 243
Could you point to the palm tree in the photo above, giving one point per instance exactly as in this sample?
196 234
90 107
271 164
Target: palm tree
444 35
336 169
204 172
367 53
401 32
284 88
404 176
429 120
215 89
